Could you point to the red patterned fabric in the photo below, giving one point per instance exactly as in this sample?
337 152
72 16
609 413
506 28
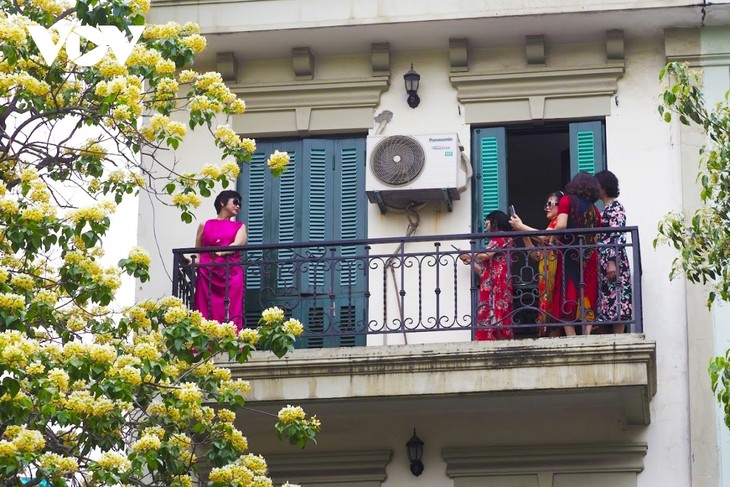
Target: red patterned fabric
575 294
495 294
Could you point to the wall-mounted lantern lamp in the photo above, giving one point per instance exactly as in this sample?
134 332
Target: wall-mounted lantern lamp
415 451
412 78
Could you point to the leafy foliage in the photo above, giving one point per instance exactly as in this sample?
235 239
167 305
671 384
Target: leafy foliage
703 240
91 394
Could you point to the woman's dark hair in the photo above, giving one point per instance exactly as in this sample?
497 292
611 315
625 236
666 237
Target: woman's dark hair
498 220
556 194
609 183
223 198
584 186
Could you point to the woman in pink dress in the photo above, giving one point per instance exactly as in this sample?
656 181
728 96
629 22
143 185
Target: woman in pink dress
220 285
494 312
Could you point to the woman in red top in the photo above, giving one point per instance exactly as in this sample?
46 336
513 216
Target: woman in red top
494 312
575 294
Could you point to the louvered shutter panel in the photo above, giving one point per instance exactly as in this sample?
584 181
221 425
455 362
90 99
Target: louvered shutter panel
587 147
255 188
489 154
350 210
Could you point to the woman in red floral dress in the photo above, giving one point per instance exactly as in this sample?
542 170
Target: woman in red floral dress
494 318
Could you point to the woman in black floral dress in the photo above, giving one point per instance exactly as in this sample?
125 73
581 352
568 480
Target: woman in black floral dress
614 303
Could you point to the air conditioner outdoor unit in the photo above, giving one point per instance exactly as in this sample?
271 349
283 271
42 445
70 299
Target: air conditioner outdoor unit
406 169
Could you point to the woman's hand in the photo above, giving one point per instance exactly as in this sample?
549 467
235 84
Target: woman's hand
465 258
516 222
611 271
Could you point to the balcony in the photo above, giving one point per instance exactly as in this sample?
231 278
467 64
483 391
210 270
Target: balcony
352 293
417 297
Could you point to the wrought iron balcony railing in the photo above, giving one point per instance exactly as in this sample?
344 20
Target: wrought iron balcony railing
349 293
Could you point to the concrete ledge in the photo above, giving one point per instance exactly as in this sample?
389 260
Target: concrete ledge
625 364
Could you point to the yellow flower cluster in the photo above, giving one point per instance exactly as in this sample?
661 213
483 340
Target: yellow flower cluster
237 440
293 327
83 403
220 373
39 191
25 440
30 83
16 348
205 415
147 443
238 106
238 385
11 32
22 281
210 171
272 315
50 6
163 124
115 461
175 314
138 315
161 31
278 161
249 335
183 481
230 170
59 378
203 103
255 463
186 199
46 296
58 464
9 207
102 354
290 414
36 368
187 76
166 302
128 373
139 6
195 42
7 448
110 67
231 473
146 351
219 330
226 415
93 150
189 392
261 481
140 256
95 213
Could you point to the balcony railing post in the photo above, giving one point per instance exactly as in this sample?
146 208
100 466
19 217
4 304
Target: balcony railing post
636 287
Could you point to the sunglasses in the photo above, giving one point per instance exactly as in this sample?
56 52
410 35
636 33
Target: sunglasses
236 203
550 204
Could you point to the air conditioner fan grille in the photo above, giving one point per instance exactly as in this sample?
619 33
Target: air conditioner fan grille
397 160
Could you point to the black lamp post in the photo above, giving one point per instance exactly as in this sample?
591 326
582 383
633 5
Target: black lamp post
411 79
415 450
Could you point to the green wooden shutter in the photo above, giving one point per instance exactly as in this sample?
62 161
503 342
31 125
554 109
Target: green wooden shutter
314 308
256 197
489 157
350 207
587 147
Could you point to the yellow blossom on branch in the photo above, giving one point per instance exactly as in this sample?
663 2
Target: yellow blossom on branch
277 162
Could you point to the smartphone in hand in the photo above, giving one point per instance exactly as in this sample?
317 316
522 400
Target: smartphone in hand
512 211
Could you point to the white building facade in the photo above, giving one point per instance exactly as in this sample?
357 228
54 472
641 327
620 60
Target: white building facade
519 83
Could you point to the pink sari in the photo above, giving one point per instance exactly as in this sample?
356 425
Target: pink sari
219 288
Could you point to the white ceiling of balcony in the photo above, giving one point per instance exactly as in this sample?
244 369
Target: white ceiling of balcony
434 34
